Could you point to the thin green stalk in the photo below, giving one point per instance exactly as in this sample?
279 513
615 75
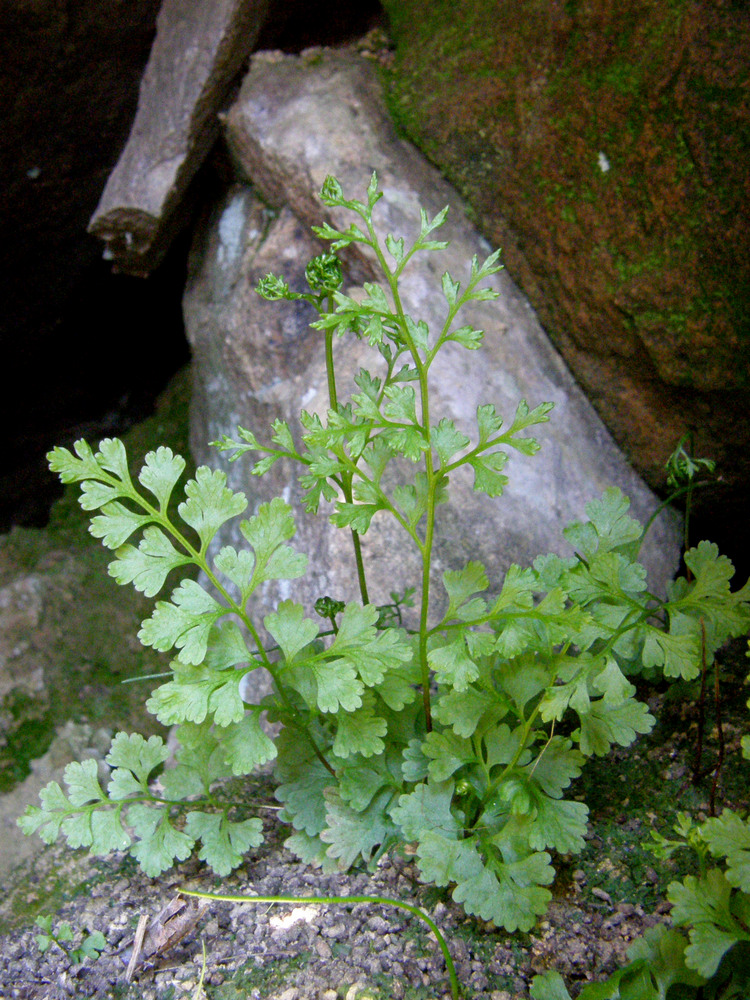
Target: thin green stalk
347 482
426 546
346 901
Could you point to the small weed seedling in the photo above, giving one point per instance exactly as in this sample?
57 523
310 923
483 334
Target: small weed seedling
442 737
91 946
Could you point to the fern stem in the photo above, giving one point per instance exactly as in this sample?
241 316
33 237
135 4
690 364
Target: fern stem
347 901
347 483
426 547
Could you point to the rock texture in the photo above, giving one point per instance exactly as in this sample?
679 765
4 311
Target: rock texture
606 148
295 121
198 50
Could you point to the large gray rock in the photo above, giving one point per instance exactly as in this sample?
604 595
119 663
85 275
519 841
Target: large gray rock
295 121
199 49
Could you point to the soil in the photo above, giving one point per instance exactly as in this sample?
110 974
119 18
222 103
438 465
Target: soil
604 898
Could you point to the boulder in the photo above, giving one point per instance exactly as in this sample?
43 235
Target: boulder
198 50
296 120
605 147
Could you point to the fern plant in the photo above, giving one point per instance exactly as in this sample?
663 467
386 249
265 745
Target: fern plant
706 954
461 736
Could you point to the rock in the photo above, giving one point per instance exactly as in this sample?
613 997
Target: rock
198 50
605 148
20 609
295 121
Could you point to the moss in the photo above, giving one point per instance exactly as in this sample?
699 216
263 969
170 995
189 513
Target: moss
25 743
516 124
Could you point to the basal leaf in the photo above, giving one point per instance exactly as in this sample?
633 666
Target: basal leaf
708 945
606 724
398 687
302 779
210 503
83 783
557 824
556 765
352 835
663 949
224 843
196 692
447 440
159 844
148 566
501 745
703 905
360 732
311 851
447 753
452 665
360 779
488 476
160 472
337 685
116 524
185 622
463 584
510 893
549 986
728 836
428 807
464 710
267 531
414 765
443 860
130 752
291 630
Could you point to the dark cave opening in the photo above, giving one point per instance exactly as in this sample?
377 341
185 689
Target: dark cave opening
86 351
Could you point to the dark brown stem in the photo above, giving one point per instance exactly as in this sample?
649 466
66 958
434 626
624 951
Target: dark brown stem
720 734
701 710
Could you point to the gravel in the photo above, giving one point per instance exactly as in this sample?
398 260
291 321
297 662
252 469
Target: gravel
301 951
